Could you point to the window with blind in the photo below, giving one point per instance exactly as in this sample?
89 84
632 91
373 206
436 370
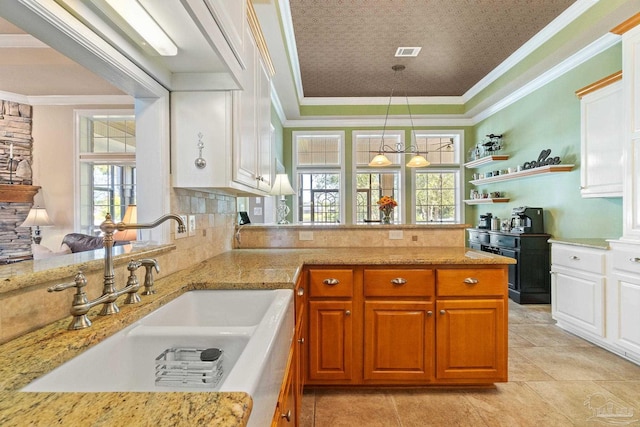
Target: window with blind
318 158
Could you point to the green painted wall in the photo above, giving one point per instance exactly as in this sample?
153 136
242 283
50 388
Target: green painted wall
550 118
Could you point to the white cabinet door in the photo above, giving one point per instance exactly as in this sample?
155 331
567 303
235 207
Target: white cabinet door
245 141
578 298
603 137
252 143
264 128
206 117
628 336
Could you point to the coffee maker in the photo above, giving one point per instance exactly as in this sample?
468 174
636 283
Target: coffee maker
526 220
485 221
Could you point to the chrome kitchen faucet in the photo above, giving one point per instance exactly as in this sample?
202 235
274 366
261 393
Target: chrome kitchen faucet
81 305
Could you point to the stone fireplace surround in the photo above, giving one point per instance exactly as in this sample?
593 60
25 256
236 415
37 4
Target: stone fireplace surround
15 203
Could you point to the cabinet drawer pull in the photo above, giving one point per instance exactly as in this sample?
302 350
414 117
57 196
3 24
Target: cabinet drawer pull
429 313
331 282
575 257
471 281
398 281
347 312
634 259
301 340
443 312
301 292
287 416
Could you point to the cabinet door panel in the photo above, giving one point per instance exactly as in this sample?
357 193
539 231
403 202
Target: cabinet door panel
330 340
579 299
399 338
471 340
629 315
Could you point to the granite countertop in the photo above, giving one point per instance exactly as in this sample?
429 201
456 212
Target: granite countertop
596 243
32 355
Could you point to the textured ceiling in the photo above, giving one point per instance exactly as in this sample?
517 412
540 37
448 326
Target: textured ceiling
346 48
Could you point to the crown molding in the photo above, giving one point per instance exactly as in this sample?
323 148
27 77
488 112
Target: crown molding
347 122
68 99
598 46
21 41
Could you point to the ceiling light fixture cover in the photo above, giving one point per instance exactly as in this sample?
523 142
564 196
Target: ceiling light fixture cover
380 159
142 23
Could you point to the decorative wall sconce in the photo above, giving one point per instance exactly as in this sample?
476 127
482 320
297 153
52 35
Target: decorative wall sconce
200 162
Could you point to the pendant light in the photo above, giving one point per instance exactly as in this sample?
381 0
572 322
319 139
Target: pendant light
380 159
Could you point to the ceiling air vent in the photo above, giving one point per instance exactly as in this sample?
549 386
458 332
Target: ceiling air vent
408 51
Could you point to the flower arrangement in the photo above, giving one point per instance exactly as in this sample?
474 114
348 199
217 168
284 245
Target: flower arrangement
386 205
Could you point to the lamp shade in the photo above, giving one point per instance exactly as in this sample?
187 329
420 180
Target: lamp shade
37 217
380 160
281 186
418 161
130 217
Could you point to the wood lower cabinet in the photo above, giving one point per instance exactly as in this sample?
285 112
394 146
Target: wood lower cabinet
330 340
440 325
398 341
471 325
471 343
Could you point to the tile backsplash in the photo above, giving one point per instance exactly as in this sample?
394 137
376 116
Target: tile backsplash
214 215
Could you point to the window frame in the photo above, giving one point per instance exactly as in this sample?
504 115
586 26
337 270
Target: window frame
457 168
339 169
399 214
116 158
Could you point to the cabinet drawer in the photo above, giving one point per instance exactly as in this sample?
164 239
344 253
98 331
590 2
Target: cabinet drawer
479 237
504 240
399 283
591 260
331 283
627 261
471 282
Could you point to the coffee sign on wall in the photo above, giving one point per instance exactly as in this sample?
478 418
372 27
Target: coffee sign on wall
543 160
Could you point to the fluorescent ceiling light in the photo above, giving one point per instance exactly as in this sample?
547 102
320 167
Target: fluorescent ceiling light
142 23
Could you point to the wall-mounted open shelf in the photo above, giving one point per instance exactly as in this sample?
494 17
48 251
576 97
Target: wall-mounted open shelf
486 201
485 161
524 174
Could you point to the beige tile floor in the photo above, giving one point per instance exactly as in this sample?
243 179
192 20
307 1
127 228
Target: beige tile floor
555 379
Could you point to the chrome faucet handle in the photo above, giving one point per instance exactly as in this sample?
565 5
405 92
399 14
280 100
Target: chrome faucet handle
132 283
149 264
80 319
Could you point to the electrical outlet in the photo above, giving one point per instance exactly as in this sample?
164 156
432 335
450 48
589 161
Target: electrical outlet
396 234
191 220
305 235
180 235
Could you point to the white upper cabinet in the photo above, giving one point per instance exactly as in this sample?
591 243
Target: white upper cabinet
233 126
602 138
631 94
253 164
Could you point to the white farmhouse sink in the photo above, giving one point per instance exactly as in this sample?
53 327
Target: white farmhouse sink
214 308
253 328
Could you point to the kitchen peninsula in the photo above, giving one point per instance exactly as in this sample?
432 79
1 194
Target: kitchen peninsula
30 356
